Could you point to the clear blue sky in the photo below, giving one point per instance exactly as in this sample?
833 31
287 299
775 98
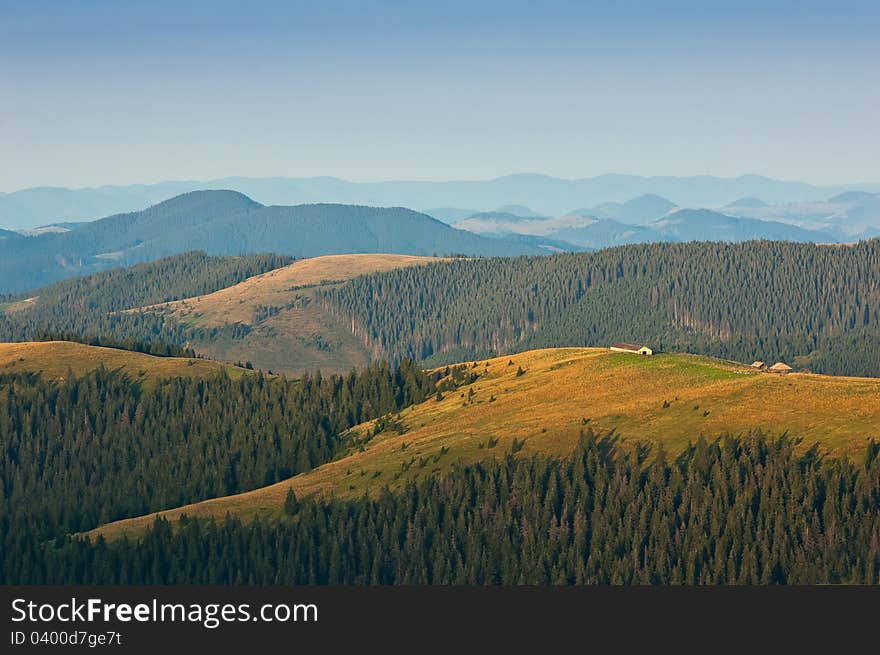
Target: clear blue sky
114 92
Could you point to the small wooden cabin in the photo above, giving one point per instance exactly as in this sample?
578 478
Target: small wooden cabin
760 365
631 348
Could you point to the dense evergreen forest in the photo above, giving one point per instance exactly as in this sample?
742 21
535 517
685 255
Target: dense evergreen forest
733 511
816 306
92 449
91 307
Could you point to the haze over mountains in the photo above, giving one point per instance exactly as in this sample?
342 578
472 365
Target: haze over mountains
851 215
546 195
228 222
650 218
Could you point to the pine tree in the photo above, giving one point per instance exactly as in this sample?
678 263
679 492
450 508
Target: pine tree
291 503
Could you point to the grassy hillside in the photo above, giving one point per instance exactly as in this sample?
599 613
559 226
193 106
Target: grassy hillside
668 398
281 326
16 306
55 359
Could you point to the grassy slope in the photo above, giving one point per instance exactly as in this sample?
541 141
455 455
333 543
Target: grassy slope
561 388
301 336
17 306
56 358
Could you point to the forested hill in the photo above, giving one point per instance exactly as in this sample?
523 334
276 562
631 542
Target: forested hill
229 223
91 306
733 511
814 306
499 502
88 448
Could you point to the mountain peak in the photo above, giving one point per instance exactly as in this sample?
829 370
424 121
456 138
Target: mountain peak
230 223
207 197
650 201
639 210
747 202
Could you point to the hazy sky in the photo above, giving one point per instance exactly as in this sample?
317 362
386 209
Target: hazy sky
96 93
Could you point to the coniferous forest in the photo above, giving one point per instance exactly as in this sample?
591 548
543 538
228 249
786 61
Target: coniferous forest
79 452
816 304
813 306
730 511
92 308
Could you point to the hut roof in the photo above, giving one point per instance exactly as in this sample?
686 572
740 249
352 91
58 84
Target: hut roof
781 367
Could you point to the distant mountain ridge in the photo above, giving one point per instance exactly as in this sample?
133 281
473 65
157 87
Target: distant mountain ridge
230 223
647 219
707 225
227 222
637 211
848 216
547 195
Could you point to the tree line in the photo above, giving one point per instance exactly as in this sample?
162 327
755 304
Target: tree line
157 348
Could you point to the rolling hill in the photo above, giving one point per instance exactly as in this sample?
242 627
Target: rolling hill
637 211
813 305
495 222
539 402
229 223
58 359
261 309
707 225
92 308
753 203
281 325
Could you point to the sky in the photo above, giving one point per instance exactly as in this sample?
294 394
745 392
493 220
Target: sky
101 92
